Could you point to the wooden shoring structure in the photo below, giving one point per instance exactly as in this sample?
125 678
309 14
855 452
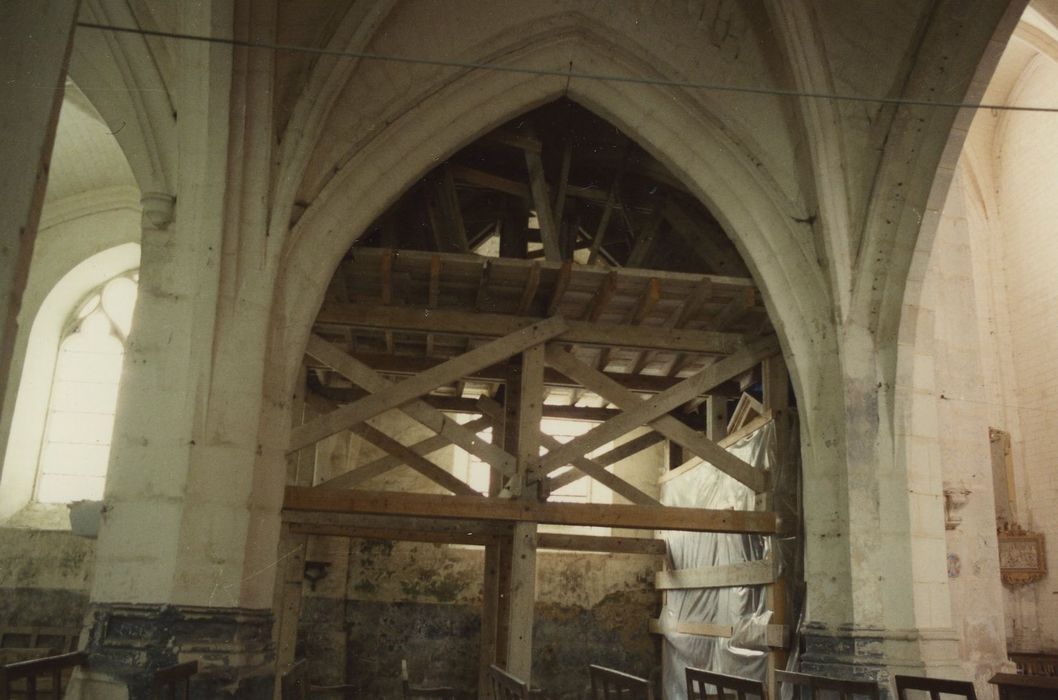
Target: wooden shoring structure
418 334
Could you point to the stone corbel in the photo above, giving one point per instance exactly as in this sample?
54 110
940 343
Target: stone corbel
157 210
955 498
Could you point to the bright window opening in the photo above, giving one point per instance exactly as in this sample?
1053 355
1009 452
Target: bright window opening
475 472
84 394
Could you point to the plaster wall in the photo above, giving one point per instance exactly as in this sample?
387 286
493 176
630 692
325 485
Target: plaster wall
45 578
1026 153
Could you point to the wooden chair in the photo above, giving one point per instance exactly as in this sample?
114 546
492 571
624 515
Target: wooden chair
608 684
1018 687
412 692
295 682
173 682
53 668
504 686
933 686
846 690
741 688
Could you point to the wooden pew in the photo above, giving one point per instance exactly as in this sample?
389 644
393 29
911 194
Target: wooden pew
1018 687
846 690
53 668
504 686
608 684
173 682
933 686
698 678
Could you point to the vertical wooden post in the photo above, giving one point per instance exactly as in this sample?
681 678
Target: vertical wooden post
776 384
523 545
493 646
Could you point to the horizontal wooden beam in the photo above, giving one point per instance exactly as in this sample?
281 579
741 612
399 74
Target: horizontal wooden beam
633 517
402 365
749 573
466 323
599 543
700 629
394 522
395 534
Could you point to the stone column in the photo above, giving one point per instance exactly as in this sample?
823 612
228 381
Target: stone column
34 53
171 567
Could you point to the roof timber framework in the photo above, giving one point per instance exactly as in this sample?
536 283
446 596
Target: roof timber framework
422 333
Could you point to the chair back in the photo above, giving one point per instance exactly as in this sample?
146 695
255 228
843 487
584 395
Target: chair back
295 682
413 692
609 684
173 682
1034 663
50 668
846 690
933 686
1018 687
736 686
504 686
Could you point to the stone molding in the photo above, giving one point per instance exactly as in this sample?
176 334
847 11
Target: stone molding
127 642
867 652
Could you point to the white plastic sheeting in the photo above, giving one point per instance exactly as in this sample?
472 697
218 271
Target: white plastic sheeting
743 608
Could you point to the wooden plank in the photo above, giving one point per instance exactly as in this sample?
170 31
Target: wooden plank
450 208
729 440
532 283
599 543
362 375
542 202
622 451
407 365
561 283
653 410
607 210
700 629
645 240
563 181
490 610
401 393
522 600
588 467
733 310
387 463
396 522
632 517
646 303
480 178
750 573
408 456
460 323
394 534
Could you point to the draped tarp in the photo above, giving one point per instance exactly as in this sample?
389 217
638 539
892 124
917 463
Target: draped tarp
743 608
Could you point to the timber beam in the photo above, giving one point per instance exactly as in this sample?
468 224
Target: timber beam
401 365
465 323
634 517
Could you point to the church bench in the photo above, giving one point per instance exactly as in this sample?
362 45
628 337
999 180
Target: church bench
609 684
38 676
1019 687
1034 663
724 686
934 686
846 690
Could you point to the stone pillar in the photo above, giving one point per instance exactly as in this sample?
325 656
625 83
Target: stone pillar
861 567
34 53
172 573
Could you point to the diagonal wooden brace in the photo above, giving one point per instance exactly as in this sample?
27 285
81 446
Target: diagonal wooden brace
596 471
367 378
652 410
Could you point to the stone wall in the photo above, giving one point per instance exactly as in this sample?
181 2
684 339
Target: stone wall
45 578
422 603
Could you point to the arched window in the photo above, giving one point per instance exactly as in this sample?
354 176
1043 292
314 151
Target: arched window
84 392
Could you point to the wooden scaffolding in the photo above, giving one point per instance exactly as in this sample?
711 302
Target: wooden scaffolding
512 341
